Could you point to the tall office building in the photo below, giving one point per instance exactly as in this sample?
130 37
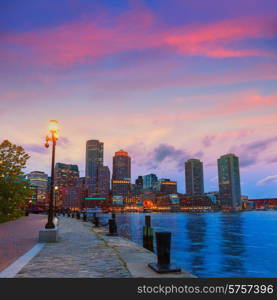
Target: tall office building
121 178
104 180
229 181
194 177
39 186
66 175
149 181
94 160
121 166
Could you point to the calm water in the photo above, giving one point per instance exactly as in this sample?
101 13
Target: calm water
214 244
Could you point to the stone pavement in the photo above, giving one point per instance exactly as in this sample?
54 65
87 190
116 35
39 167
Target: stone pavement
19 236
88 253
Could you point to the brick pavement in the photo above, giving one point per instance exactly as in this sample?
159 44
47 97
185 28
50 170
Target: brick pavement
19 236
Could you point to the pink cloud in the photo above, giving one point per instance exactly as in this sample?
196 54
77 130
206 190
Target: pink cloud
82 42
213 39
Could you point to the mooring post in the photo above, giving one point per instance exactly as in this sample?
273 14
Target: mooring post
148 234
112 228
163 242
96 221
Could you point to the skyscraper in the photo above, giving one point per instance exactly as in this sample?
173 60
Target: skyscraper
229 181
121 166
94 160
121 178
194 177
104 180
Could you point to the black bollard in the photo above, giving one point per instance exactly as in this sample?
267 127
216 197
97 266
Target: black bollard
26 213
68 214
112 228
163 241
85 217
96 221
78 215
72 215
148 234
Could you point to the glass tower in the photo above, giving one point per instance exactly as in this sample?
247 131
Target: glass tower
229 181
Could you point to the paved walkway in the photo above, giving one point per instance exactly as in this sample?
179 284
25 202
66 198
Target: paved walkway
79 253
19 236
83 251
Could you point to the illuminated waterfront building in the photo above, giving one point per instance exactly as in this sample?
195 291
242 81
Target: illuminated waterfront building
66 174
94 160
194 177
149 181
229 181
121 187
72 197
39 186
166 186
121 178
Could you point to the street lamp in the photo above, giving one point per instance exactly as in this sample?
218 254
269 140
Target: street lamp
53 129
55 199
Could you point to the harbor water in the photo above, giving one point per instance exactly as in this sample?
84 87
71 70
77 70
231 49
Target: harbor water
242 244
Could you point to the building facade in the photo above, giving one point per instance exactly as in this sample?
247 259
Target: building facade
229 181
104 178
166 186
94 160
194 177
39 186
149 181
66 175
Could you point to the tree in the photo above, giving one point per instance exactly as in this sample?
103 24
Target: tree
14 188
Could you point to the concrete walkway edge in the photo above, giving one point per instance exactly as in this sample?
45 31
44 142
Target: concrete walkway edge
16 266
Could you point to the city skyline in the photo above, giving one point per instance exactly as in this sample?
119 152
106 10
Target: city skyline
121 167
165 82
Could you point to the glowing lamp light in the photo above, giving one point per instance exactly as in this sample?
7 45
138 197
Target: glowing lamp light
54 126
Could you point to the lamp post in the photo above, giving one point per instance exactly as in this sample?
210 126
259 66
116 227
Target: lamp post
53 128
55 199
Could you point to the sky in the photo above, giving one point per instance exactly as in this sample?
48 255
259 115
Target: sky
164 80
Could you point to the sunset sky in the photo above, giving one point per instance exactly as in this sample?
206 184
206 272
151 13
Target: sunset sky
164 80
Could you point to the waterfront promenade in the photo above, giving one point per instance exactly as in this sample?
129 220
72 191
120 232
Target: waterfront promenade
86 252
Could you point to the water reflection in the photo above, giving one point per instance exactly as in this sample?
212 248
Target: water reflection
196 232
232 245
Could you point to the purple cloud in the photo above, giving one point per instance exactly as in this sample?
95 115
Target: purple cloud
35 148
249 153
168 152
